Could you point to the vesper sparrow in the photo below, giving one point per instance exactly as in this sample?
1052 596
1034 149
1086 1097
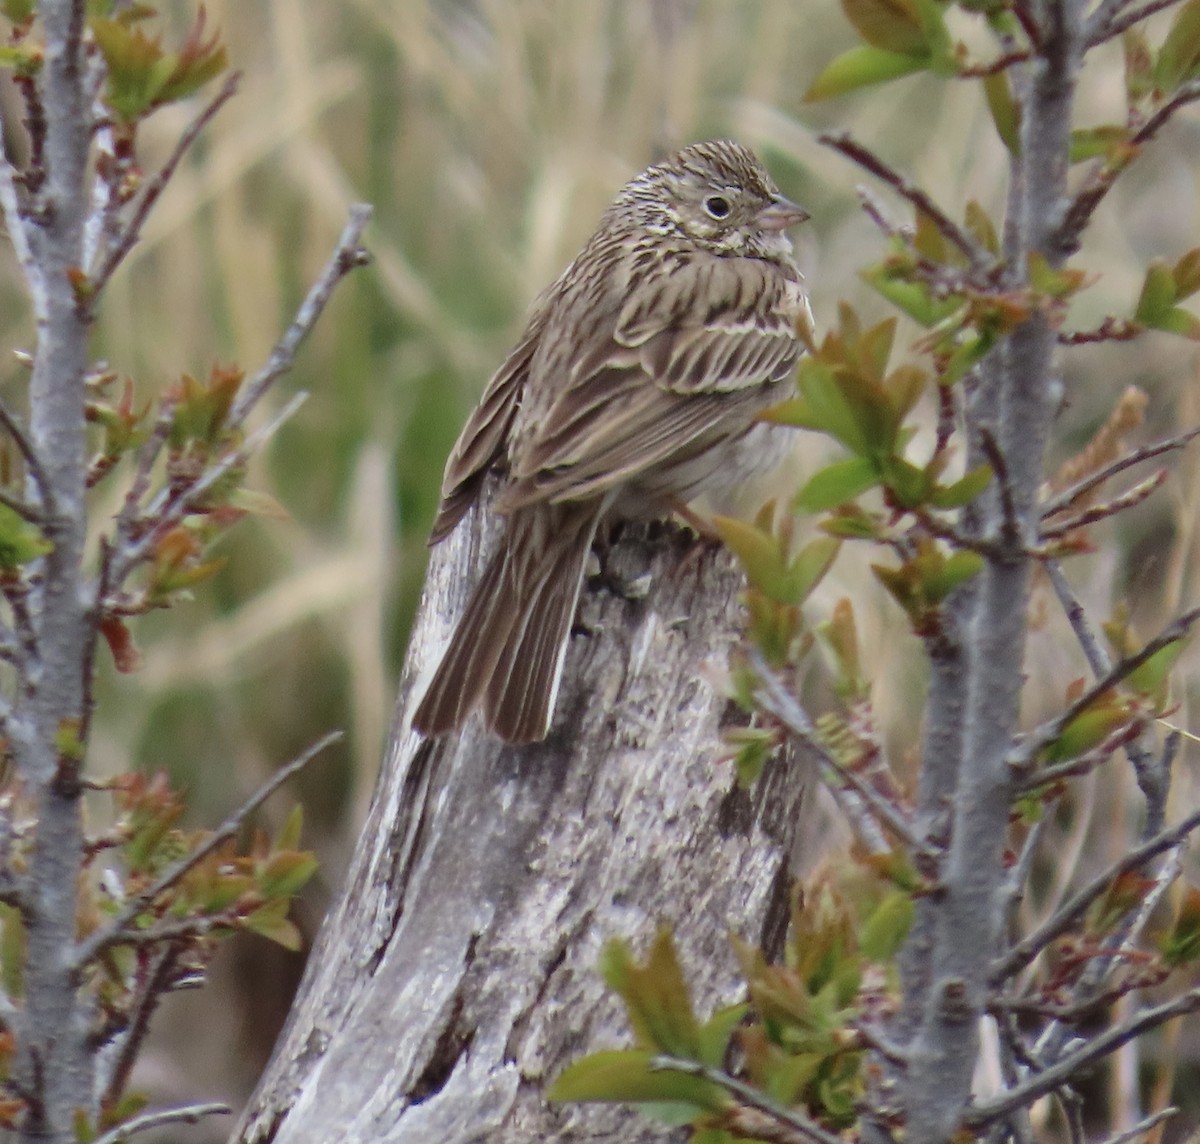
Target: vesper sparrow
634 388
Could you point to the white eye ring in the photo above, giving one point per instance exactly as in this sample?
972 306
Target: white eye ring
717 206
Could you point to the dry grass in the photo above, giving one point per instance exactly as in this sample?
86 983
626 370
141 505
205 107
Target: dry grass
490 135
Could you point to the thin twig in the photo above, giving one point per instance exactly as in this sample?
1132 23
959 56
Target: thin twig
1105 26
1147 1122
20 438
1130 498
749 1096
155 187
776 701
1092 1050
1121 670
22 508
1105 173
118 930
1083 764
999 64
188 1114
18 234
172 505
347 255
947 227
1110 330
1069 496
995 456
1029 947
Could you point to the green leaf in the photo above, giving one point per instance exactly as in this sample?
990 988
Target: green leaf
625 1076
852 522
916 299
1089 728
19 11
837 483
289 835
716 1032
20 541
1151 677
757 550
982 229
1182 944
892 25
1005 114
861 67
13 952
1187 275
1179 56
655 995
1179 321
808 569
955 570
1158 293
1097 142
284 875
964 490
909 485
883 933
939 45
849 407
270 921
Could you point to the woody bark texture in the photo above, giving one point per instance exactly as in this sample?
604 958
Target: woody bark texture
457 975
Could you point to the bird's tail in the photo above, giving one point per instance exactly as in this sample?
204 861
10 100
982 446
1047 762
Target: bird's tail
508 648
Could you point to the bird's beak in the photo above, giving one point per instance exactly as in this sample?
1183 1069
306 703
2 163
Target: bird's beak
781 213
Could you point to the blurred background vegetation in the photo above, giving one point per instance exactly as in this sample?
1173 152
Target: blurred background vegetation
490 134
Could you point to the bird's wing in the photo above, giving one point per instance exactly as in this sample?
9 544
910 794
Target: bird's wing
742 332
666 381
482 440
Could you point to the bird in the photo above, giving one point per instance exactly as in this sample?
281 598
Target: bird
637 385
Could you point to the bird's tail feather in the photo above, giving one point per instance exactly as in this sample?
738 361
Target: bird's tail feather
508 649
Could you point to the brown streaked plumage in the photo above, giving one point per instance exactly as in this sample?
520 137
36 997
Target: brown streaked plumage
634 388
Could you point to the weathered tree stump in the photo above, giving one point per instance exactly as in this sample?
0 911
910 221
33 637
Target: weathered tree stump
455 976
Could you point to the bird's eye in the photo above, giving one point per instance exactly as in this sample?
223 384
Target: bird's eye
717 206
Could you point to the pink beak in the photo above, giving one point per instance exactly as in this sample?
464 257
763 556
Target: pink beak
781 213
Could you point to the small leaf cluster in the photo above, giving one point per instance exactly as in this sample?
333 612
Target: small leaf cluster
1115 715
168 533
142 74
155 900
793 1038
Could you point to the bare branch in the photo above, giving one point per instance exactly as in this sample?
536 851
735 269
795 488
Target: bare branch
1029 947
1107 23
775 699
1011 526
1128 499
188 1114
1110 330
1147 1123
15 222
946 226
1105 173
347 255
1092 1050
118 931
33 463
999 64
155 187
1068 497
